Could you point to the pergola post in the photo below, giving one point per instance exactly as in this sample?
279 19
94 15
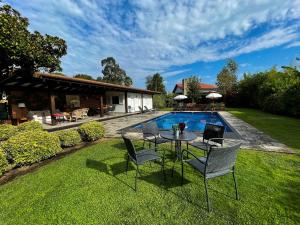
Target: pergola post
126 102
101 106
52 104
142 97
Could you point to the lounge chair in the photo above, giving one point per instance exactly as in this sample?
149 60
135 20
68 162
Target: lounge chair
149 110
141 109
219 161
141 157
212 136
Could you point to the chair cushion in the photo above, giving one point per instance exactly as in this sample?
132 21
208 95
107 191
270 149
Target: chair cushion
146 155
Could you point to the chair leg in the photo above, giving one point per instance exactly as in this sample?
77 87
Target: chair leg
235 186
206 193
182 173
163 166
136 176
127 162
187 148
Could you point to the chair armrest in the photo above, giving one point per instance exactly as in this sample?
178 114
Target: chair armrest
212 139
189 152
150 135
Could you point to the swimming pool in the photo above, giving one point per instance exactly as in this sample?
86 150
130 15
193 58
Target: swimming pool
195 121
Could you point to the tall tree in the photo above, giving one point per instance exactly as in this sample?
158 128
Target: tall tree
194 91
21 50
83 76
227 78
155 83
112 73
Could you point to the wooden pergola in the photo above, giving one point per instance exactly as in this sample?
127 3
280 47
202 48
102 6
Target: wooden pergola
53 84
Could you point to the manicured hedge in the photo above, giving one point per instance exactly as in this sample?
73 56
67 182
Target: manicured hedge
30 125
68 138
3 161
272 91
6 131
91 131
31 146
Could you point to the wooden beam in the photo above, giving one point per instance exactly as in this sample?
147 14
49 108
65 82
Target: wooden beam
126 102
38 85
26 84
101 106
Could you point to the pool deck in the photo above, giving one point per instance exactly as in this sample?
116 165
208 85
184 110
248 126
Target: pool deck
253 138
113 127
250 137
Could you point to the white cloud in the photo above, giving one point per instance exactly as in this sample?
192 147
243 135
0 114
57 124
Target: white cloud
174 73
151 36
293 44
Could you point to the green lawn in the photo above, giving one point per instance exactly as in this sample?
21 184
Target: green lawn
90 187
166 109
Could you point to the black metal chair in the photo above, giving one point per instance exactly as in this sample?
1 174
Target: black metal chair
151 135
212 136
218 162
141 157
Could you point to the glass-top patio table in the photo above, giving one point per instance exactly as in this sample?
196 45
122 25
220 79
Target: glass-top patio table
185 136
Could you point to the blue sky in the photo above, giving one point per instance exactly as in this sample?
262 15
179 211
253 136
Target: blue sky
177 38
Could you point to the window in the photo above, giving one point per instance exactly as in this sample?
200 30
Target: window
73 101
115 100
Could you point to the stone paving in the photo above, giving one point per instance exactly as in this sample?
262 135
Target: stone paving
251 138
113 127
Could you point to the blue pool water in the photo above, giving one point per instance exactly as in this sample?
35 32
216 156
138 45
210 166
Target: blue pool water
195 121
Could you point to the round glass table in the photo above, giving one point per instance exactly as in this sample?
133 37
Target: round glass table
185 136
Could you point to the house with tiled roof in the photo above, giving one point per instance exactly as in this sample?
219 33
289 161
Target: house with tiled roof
181 88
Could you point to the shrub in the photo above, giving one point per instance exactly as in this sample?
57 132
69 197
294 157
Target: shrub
6 131
3 161
91 131
159 101
68 138
31 146
30 125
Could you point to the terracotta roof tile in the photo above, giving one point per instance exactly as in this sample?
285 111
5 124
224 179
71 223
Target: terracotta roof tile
201 85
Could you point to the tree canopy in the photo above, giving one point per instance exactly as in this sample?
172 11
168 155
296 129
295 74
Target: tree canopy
113 73
194 92
227 78
83 76
155 83
22 50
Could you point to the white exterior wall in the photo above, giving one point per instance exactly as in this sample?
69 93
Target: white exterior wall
148 101
118 107
135 101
